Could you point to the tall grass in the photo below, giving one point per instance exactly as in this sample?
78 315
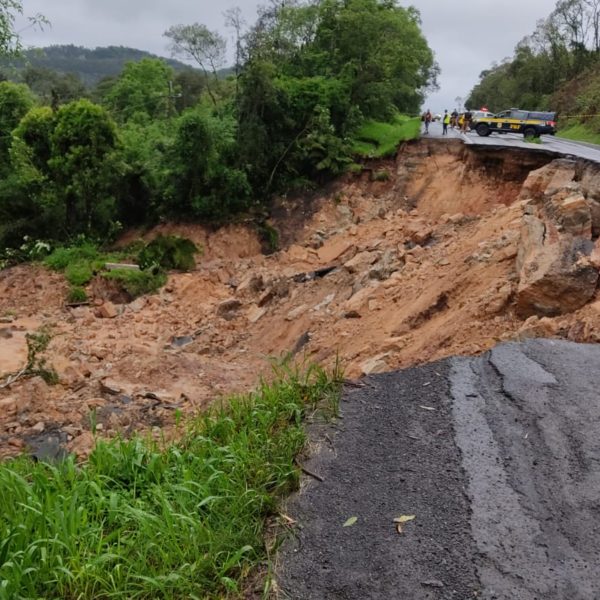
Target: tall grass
377 139
139 521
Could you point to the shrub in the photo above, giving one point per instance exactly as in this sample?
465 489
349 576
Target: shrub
77 295
137 283
169 252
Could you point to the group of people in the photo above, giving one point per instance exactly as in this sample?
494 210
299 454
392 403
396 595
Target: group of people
454 120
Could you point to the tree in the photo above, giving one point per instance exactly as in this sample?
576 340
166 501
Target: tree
142 89
10 43
207 48
15 102
53 88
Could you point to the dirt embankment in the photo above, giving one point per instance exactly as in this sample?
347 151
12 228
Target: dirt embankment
412 261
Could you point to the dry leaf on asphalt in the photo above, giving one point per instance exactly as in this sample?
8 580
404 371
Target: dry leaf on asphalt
403 519
351 521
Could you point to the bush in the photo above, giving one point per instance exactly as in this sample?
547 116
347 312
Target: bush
137 283
169 252
77 295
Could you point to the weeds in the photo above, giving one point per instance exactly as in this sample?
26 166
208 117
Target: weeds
376 139
140 522
37 344
137 283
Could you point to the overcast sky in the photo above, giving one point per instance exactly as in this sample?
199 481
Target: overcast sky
467 36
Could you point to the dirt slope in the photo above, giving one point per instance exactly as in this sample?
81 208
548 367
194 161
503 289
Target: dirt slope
408 263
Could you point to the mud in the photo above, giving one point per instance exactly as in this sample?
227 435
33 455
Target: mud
380 274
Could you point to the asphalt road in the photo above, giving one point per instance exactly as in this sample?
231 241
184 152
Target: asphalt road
548 143
498 459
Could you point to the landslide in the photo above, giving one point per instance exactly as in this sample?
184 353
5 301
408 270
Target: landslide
432 254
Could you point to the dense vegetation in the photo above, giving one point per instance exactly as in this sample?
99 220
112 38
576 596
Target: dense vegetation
555 68
154 144
141 521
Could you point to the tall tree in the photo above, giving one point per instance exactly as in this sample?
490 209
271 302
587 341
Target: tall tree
207 48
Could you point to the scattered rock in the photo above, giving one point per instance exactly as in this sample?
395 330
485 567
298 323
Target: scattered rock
376 364
256 313
335 249
228 308
296 312
106 311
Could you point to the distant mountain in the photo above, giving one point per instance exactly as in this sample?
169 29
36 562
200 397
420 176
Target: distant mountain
90 65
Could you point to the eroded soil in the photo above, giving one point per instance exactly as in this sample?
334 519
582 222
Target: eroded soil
380 274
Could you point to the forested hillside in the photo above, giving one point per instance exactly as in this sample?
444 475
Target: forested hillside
89 65
556 68
151 144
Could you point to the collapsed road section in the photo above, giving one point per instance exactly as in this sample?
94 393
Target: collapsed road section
497 458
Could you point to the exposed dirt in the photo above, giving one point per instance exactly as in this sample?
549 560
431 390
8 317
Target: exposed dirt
383 274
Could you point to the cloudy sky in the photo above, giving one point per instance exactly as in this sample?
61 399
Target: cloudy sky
467 36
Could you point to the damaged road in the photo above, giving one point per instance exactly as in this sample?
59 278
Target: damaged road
497 458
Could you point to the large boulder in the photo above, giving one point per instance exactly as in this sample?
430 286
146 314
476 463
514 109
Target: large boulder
555 274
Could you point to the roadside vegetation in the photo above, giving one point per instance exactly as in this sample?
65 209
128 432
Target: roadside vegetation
313 83
376 139
142 519
580 132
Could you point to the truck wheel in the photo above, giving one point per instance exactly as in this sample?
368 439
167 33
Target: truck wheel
483 130
529 132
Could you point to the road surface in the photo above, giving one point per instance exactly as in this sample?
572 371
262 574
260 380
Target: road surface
548 143
497 458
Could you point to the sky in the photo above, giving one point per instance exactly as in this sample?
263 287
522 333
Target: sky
467 37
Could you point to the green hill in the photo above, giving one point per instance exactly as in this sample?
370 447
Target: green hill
90 65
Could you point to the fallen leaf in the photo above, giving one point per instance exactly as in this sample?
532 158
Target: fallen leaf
405 518
351 521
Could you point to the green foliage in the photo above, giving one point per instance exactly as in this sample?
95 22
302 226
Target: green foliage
137 521
580 133
202 180
53 88
15 101
77 295
376 139
169 252
37 344
137 283
142 91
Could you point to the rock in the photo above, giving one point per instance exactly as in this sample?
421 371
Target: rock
296 312
137 305
358 300
83 444
360 262
228 308
325 302
266 298
418 232
256 313
377 364
334 249
39 427
575 216
110 387
8 406
252 284
381 213
551 177
351 314
553 278
106 311
535 327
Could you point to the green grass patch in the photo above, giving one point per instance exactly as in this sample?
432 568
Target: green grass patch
377 139
142 522
137 283
77 295
579 132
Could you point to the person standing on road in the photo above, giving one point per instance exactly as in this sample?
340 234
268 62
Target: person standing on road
445 122
427 118
454 119
466 124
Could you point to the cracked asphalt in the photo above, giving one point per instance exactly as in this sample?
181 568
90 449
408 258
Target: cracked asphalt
498 458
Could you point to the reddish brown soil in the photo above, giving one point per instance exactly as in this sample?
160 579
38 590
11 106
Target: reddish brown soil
390 303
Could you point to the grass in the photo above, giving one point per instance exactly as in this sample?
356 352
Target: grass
137 283
579 132
82 262
138 521
377 139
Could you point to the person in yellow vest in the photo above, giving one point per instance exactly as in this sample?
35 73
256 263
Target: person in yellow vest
445 122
